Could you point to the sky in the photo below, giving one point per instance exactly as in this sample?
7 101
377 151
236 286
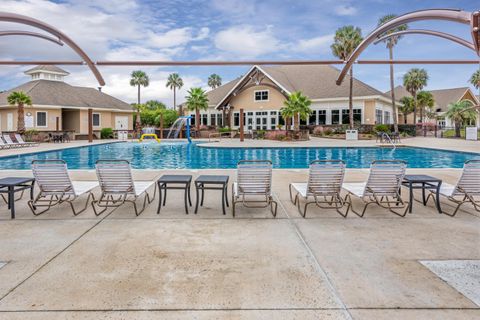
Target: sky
222 30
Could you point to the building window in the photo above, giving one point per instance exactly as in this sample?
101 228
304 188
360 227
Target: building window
41 119
213 117
335 116
346 116
357 116
322 117
236 119
204 119
192 119
273 120
261 95
96 119
312 120
378 116
386 117
219 119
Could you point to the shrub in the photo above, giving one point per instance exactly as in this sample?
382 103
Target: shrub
203 127
408 129
261 134
224 129
382 128
275 135
328 132
106 133
318 130
29 134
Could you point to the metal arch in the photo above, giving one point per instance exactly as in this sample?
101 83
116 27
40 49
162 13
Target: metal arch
433 14
439 34
17 18
31 34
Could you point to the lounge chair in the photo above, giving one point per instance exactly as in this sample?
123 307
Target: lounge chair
20 140
381 188
467 189
254 185
118 187
3 145
53 180
8 140
324 184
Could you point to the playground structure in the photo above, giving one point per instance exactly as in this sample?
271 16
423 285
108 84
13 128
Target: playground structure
177 127
153 135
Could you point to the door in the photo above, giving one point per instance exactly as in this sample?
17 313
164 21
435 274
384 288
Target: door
121 122
9 121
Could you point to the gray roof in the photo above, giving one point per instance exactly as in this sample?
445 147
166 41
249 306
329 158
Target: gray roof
61 94
442 97
315 81
49 68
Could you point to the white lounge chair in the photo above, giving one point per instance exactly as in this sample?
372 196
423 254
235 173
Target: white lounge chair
8 140
53 180
466 190
254 185
324 185
381 188
3 145
118 187
20 140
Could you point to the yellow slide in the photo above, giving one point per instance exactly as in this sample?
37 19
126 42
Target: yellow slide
149 135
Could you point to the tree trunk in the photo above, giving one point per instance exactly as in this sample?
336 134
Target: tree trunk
137 119
422 114
392 87
350 99
197 120
296 124
415 108
21 118
224 119
457 130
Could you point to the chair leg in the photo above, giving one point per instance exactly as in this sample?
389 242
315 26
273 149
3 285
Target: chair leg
76 213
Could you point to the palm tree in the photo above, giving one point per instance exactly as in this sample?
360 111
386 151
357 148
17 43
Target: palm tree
407 107
197 100
346 40
138 79
154 105
391 42
296 104
414 80
460 113
214 81
20 99
424 100
175 82
475 79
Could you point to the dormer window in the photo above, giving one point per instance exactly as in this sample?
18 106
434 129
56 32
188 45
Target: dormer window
261 95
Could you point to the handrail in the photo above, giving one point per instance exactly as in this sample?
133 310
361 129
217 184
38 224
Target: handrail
384 134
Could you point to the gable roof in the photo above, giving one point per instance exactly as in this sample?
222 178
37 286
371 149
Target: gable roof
61 94
48 68
442 97
315 81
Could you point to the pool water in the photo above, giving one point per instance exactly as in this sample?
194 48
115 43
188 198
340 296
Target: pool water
181 155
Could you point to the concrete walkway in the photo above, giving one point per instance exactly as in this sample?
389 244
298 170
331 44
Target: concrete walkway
211 266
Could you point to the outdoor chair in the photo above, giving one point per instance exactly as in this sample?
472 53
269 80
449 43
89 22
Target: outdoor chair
53 180
382 188
118 186
20 140
3 145
254 185
324 185
466 190
8 140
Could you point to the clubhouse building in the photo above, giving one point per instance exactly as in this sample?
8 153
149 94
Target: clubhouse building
58 106
263 89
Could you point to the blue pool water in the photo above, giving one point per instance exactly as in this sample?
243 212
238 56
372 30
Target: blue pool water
190 156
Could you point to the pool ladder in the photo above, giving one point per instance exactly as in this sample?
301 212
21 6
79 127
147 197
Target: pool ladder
387 137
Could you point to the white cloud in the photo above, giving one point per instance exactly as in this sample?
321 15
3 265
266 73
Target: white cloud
315 45
247 42
345 10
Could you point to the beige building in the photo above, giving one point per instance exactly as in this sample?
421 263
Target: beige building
58 106
442 98
262 91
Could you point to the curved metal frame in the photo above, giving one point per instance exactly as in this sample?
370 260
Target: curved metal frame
439 34
18 18
433 14
31 34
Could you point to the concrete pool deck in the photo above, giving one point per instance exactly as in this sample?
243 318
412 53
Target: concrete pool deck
210 266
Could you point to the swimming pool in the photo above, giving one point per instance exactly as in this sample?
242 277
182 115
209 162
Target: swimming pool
190 156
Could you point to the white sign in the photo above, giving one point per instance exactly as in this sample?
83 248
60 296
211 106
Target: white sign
351 134
471 133
29 120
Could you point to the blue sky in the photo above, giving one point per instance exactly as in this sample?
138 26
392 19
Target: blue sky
223 30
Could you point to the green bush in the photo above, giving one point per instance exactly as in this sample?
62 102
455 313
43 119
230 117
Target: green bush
382 128
106 133
29 134
408 129
261 134
169 117
224 129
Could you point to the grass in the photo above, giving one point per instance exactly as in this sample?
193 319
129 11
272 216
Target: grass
450 133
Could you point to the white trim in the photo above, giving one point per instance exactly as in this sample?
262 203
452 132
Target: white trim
44 106
262 90
244 77
355 98
36 119
99 119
